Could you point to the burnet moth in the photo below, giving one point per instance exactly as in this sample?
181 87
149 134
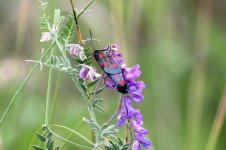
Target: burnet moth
110 68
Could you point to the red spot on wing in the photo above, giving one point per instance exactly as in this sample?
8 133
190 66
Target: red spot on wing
101 55
113 65
121 82
116 75
105 63
100 64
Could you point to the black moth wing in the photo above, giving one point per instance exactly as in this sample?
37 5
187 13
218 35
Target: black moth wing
112 67
120 82
109 66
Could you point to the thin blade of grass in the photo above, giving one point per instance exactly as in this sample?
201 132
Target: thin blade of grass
217 124
23 83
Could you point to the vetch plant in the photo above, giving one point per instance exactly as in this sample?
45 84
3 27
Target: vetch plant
60 34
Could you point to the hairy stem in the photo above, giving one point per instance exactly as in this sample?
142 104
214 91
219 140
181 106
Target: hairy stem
70 142
90 108
97 87
69 136
116 112
75 132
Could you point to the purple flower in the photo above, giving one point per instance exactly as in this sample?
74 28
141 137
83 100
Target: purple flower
135 85
108 82
132 73
114 54
138 128
77 50
114 47
136 145
145 142
134 88
88 72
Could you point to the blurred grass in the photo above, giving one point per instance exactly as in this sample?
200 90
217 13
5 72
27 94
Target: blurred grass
180 46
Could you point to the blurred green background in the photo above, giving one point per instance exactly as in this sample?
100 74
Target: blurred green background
179 44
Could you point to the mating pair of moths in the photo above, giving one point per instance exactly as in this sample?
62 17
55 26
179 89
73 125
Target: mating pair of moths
111 68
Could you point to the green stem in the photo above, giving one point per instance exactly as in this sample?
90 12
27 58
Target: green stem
48 96
75 132
217 124
69 136
97 87
22 84
85 8
116 112
70 142
55 99
90 108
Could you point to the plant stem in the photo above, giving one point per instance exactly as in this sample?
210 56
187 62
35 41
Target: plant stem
55 99
48 93
90 109
69 136
70 142
217 124
75 132
76 23
97 87
85 8
23 83
116 112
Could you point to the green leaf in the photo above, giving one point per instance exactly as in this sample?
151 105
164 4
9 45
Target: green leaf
86 50
35 147
125 147
109 128
115 146
49 135
58 148
67 29
56 17
97 107
94 126
98 91
84 87
120 141
81 80
97 101
92 83
79 60
88 61
41 137
50 145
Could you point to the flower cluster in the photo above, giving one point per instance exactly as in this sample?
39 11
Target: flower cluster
135 88
77 50
47 36
88 72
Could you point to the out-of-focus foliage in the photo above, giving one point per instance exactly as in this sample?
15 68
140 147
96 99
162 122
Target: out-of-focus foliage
180 46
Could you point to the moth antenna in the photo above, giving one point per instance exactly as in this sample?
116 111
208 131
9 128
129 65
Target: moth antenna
91 39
